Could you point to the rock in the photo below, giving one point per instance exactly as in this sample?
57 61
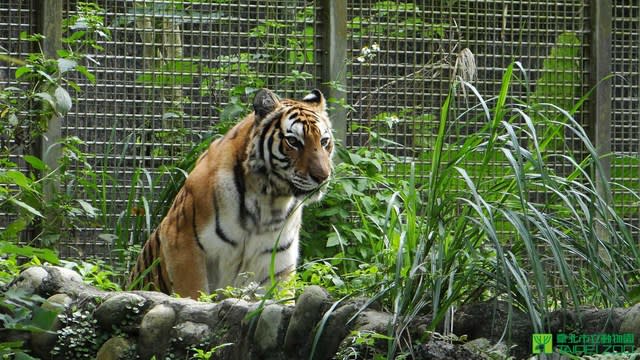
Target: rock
489 319
43 342
31 279
586 321
309 309
335 330
231 327
189 333
631 323
57 302
67 281
373 321
122 310
116 348
484 346
155 331
154 297
172 327
367 323
197 312
271 327
443 350
64 275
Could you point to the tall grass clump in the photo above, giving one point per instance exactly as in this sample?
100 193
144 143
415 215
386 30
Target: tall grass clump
511 212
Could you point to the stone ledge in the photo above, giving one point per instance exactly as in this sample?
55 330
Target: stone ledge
141 324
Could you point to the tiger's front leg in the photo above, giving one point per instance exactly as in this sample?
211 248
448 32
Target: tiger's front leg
186 266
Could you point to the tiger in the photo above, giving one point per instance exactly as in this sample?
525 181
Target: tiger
242 203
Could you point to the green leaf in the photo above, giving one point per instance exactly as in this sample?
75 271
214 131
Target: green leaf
89 209
35 162
12 230
22 70
23 356
83 70
634 294
231 112
19 179
333 240
47 255
46 98
73 85
14 345
63 100
46 76
43 318
13 119
26 207
74 37
65 65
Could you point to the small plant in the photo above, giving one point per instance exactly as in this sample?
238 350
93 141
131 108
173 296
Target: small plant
201 354
21 312
363 345
21 195
97 273
404 19
248 293
80 337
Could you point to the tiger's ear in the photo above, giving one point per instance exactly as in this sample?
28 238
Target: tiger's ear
316 98
264 102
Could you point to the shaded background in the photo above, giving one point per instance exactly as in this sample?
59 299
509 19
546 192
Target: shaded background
173 71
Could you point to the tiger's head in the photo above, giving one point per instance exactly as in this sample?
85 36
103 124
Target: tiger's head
292 143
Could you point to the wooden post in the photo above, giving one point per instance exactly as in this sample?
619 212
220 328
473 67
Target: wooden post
49 24
334 54
601 103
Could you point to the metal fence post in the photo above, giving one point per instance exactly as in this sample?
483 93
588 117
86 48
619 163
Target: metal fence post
334 55
601 101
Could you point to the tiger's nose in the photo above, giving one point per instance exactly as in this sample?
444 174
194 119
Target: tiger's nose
320 171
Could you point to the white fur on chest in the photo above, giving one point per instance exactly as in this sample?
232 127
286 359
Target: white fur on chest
251 234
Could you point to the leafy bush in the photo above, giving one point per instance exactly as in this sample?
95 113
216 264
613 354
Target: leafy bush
25 111
350 213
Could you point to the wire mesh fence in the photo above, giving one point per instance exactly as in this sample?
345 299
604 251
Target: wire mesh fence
16 17
625 131
402 76
173 71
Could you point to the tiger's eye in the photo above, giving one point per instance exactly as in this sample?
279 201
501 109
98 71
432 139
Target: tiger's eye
293 142
324 142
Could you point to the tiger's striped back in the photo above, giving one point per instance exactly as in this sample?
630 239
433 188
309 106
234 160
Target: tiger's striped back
242 203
